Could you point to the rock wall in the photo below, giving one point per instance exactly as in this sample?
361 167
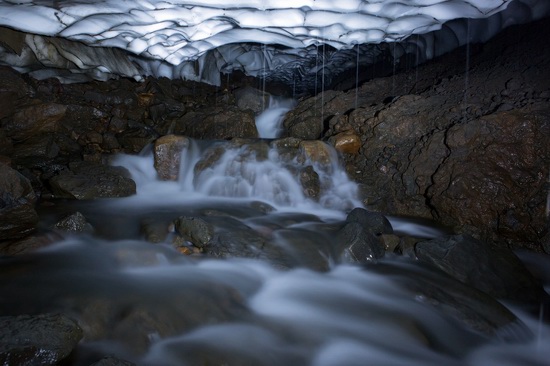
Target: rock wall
468 148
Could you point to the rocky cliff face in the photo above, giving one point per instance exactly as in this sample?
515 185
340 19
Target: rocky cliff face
463 140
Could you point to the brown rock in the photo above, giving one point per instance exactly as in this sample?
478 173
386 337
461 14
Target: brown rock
167 154
495 178
346 142
316 151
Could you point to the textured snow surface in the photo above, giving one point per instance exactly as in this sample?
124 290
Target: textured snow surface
174 38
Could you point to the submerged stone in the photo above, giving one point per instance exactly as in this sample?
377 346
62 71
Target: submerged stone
494 270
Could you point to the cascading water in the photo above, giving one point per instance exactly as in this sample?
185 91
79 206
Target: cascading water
291 301
269 121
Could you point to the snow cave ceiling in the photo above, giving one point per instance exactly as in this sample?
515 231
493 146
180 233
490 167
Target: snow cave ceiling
289 41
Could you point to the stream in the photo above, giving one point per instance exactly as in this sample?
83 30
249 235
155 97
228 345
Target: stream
281 295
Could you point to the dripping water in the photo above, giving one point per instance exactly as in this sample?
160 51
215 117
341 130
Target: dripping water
467 70
357 77
323 86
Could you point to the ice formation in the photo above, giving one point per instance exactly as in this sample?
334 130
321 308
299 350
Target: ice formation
198 40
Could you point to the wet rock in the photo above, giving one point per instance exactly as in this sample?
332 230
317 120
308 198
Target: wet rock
346 142
167 154
74 223
306 121
316 151
86 181
471 307
358 244
501 163
154 231
372 221
195 229
37 340
250 98
18 217
218 123
35 120
496 271
309 179
28 244
391 242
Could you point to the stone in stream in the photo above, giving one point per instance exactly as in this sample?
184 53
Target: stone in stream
38 339
195 229
372 221
494 270
167 154
473 308
358 244
74 223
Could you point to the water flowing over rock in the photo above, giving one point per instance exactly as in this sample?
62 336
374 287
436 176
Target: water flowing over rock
496 271
167 152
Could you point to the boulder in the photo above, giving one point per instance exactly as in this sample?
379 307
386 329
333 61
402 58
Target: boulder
250 98
195 229
167 155
372 221
311 185
358 245
317 152
18 217
85 181
494 270
74 223
346 142
37 340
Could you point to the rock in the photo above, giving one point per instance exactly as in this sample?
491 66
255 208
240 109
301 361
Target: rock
112 361
372 221
346 142
28 244
218 123
358 244
391 242
195 229
35 120
310 128
493 270
317 152
472 308
167 154
154 231
134 139
250 98
501 164
85 181
18 217
309 179
74 223
37 340
13 91
36 151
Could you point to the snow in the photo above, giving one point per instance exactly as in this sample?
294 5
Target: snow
160 36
